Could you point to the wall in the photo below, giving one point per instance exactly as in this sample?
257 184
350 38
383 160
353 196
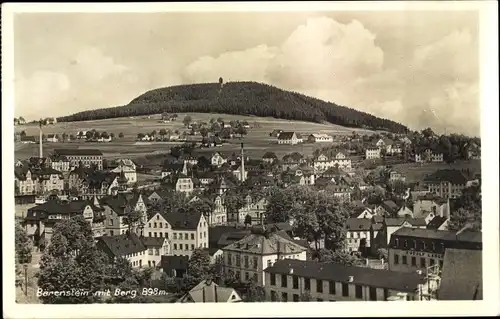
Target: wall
437 257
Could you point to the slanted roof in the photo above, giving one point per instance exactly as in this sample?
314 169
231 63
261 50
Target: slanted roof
391 222
436 222
394 280
208 291
261 244
78 152
452 176
465 236
57 207
358 224
182 219
156 242
286 135
121 245
271 155
169 263
462 275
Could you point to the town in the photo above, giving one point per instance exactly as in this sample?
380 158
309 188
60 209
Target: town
345 222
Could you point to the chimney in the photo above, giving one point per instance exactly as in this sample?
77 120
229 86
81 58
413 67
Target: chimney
351 278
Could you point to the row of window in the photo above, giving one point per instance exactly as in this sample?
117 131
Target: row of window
413 261
186 246
423 244
332 290
246 263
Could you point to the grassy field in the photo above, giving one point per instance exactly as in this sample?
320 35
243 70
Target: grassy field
416 172
257 141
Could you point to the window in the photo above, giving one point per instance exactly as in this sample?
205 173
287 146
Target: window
319 300
166 235
186 236
154 225
359 292
255 277
386 293
273 295
155 234
150 251
269 263
373 293
180 236
296 298
307 284
246 261
345 290
158 217
284 282
161 225
433 246
192 247
175 235
415 244
295 280
414 261
273 279
331 285
157 251
405 260
247 276
422 262
431 262
161 235
319 285
238 260
396 259
229 259
255 262
406 244
180 246
111 222
284 297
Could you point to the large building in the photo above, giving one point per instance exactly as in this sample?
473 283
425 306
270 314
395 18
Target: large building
87 157
247 258
446 183
288 280
413 249
291 138
372 153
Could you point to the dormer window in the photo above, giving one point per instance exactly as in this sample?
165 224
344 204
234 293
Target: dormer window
396 242
433 246
406 244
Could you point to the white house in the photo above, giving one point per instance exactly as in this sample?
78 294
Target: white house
218 160
320 138
129 170
52 138
372 153
289 138
184 184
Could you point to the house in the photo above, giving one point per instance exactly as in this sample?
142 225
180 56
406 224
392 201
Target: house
173 169
447 183
428 156
128 246
372 153
87 157
48 180
341 192
255 207
219 213
184 184
405 211
430 203
41 219
382 229
209 291
190 160
50 120
211 141
157 247
288 279
106 139
362 212
473 151
52 138
100 184
27 139
358 234
412 249
290 138
395 176
462 275
128 168
247 258
117 207
60 163
174 266
25 181
269 157
320 138
217 159
275 133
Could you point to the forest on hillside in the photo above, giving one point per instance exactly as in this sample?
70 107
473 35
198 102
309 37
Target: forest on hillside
240 98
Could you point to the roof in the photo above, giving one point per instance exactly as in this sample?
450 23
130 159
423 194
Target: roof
121 245
401 220
153 241
466 236
432 197
181 219
436 222
380 278
447 175
358 224
390 205
215 233
78 152
269 155
117 203
28 138
265 245
57 207
209 291
462 275
285 135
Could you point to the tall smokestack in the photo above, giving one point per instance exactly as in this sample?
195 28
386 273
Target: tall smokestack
41 146
242 168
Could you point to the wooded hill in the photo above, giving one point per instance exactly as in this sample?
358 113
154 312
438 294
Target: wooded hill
240 98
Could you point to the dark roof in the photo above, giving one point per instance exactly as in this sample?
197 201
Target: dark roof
78 152
285 135
56 207
121 245
447 175
432 197
28 138
400 281
261 244
462 275
169 263
215 233
358 224
153 241
390 206
465 236
269 155
117 203
181 219
96 178
436 222
231 237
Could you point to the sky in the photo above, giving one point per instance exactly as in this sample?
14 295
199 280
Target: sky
420 68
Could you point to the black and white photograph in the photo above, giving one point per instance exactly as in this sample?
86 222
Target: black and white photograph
223 153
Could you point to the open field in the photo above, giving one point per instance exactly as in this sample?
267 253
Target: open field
415 172
257 141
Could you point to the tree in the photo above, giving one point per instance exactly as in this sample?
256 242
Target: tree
204 132
199 265
233 202
241 131
254 293
463 217
338 256
305 296
428 133
248 220
382 253
112 135
162 133
140 136
120 135
24 245
132 219
187 120
23 133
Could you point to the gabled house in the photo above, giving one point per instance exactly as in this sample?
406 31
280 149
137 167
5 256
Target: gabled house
358 235
117 207
208 291
290 138
428 156
128 246
217 159
52 138
100 184
255 207
438 223
381 233
27 139
184 184
128 168
431 204
25 181
320 138
49 180
372 153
